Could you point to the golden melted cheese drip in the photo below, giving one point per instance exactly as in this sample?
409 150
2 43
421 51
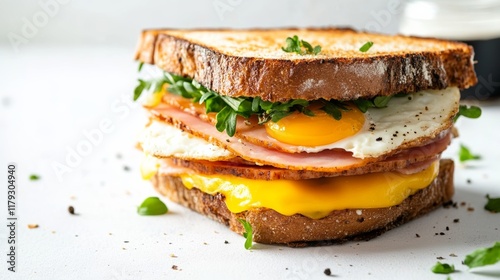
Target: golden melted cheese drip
314 198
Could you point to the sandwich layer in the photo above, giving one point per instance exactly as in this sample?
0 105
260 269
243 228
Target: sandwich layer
270 226
331 161
409 121
251 62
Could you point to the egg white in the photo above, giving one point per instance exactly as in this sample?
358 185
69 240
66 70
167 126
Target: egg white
163 140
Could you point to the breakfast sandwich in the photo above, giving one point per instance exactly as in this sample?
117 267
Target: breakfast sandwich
308 136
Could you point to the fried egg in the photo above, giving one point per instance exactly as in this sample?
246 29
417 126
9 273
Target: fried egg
162 140
406 120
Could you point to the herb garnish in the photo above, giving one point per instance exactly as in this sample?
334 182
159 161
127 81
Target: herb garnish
228 108
152 206
483 256
464 154
493 204
443 268
366 46
248 234
472 112
377 102
294 44
34 177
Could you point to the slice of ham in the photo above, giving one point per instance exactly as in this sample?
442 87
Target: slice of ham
273 173
324 161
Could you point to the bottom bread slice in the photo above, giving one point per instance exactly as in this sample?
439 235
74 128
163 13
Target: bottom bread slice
297 230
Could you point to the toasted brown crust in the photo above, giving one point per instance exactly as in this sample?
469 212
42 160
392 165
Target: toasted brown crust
340 75
297 230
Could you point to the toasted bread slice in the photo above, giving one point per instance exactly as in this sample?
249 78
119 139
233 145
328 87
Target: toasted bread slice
251 62
297 230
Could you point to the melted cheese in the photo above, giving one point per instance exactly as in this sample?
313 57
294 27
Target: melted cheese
314 198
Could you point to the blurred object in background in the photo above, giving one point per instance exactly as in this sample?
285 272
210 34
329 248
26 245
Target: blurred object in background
475 22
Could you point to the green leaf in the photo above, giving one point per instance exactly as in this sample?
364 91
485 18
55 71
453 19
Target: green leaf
493 204
443 268
366 46
34 177
142 86
332 110
248 234
278 115
152 206
483 256
140 66
363 104
465 154
226 120
381 101
316 50
206 96
294 44
472 112
306 45
214 104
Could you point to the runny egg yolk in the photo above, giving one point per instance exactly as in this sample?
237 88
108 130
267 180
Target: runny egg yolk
321 129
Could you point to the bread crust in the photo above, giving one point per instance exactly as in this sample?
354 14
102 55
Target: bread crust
299 231
357 75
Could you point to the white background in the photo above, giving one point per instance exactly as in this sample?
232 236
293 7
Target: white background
74 72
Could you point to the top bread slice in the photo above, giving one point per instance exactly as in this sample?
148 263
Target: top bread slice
251 62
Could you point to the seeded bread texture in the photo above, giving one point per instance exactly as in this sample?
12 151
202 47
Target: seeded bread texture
251 62
297 230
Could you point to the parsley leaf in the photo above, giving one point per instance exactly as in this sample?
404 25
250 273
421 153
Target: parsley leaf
472 112
443 268
366 46
465 154
493 204
152 206
483 256
248 234
294 44
34 177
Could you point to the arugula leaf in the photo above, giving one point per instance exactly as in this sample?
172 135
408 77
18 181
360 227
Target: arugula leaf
483 256
366 46
377 102
364 104
381 101
443 268
140 66
34 177
248 234
334 109
472 112
152 206
493 204
465 154
226 120
294 44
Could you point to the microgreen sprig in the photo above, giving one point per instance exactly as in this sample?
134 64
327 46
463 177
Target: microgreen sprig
294 44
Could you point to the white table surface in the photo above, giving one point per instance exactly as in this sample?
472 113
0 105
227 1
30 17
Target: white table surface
50 96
